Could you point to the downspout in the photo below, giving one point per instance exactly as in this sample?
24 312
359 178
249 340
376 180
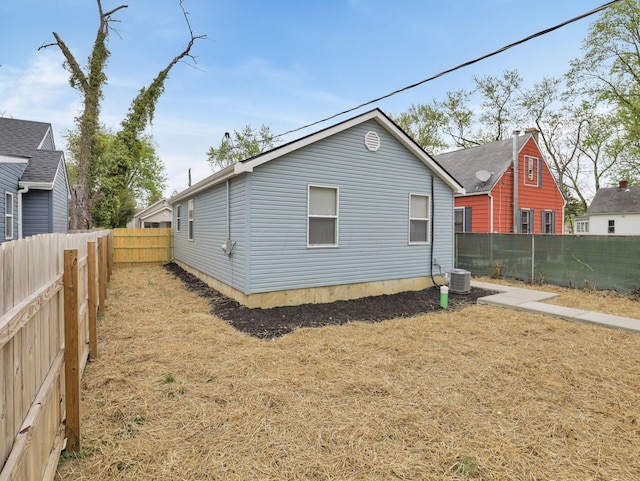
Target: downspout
228 212
491 213
432 234
515 180
24 190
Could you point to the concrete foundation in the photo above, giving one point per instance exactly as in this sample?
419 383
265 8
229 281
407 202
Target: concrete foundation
314 295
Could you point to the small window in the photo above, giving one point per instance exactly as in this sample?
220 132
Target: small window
322 218
458 223
190 219
582 226
418 219
547 222
532 166
8 215
612 226
178 218
525 222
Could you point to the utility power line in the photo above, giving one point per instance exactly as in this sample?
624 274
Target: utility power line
458 67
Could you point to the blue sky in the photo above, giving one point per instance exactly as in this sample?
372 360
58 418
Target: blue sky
283 63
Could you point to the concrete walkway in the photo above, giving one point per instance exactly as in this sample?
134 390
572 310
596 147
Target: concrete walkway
531 301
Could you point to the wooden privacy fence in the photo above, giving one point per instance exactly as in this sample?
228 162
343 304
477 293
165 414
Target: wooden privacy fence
142 246
52 287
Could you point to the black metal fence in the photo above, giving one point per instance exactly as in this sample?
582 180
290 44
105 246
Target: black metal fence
601 262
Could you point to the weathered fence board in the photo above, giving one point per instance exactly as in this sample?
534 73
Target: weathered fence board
32 346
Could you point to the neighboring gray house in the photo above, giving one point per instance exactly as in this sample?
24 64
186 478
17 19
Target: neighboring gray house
613 211
156 215
33 180
354 210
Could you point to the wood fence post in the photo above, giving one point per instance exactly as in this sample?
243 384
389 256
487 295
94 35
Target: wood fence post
110 254
71 350
102 274
92 299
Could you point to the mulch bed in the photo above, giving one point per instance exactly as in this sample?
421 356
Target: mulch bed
278 321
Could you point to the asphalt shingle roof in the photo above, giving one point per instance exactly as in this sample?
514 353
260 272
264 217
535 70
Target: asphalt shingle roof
611 200
495 158
23 138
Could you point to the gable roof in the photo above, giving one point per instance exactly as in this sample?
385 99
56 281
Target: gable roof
377 115
153 209
26 138
616 200
21 137
494 158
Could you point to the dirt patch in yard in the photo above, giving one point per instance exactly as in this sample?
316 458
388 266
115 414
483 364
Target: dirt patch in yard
481 393
278 321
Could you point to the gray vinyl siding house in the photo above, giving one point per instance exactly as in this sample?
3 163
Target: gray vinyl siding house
33 176
322 218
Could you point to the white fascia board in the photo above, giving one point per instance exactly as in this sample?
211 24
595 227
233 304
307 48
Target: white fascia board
426 159
249 165
150 214
150 207
36 185
13 159
213 179
376 115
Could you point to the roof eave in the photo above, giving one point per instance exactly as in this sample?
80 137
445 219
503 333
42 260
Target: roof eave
36 185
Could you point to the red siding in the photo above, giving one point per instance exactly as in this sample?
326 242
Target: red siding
544 197
479 211
502 195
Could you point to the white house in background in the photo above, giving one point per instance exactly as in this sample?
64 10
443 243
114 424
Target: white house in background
613 211
158 214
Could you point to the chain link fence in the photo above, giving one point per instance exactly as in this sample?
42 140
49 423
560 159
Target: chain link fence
600 262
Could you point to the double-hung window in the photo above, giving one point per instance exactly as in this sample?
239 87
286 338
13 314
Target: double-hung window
178 214
322 216
548 223
611 226
458 223
190 219
525 221
8 215
418 219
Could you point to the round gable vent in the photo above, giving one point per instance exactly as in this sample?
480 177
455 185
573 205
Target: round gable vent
372 141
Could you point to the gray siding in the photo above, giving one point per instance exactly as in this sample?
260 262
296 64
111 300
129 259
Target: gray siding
60 219
204 252
36 212
9 175
374 190
268 212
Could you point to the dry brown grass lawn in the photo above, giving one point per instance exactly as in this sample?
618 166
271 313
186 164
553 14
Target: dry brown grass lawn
484 393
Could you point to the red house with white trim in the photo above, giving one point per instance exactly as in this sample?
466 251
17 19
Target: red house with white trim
493 202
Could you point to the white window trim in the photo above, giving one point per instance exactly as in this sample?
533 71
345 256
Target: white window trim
178 217
529 218
190 220
531 175
8 215
548 214
427 219
336 217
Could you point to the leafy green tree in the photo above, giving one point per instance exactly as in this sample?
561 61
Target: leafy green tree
609 71
90 83
458 118
122 177
423 123
500 114
242 145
